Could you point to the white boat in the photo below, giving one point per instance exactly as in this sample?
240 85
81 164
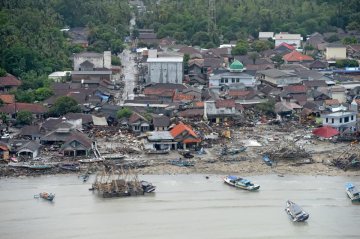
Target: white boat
352 192
296 213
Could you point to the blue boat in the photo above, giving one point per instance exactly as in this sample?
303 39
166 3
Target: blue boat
352 192
241 183
296 213
267 160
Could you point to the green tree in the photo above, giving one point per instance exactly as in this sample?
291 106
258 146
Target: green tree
241 48
2 72
332 38
278 60
4 118
24 118
254 56
64 105
346 63
43 93
349 40
124 113
115 61
266 107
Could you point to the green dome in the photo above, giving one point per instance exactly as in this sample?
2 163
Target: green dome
236 65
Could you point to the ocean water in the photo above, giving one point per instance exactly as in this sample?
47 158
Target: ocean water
184 206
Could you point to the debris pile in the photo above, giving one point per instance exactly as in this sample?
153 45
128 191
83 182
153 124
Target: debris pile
287 150
349 159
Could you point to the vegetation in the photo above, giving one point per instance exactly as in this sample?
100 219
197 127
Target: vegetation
267 108
346 63
24 118
124 113
188 21
115 61
64 105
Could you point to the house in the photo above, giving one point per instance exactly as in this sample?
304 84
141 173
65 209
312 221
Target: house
342 121
138 123
335 52
88 61
315 40
165 70
264 36
296 57
189 50
287 108
9 83
219 110
318 65
284 49
7 99
339 93
147 36
278 78
31 132
161 122
192 113
60 76
314 84
36 110
160 141
76 144
235 78
291 39
185 135
29 150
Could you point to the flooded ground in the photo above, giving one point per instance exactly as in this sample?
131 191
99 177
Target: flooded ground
184 206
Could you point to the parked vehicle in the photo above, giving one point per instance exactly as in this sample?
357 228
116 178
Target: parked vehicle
296 213
241 183
267 160
352 192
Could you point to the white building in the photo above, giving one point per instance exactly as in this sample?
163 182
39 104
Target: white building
92 60
59 76
165 70
266 35
291 39
340 120
234 79
335 52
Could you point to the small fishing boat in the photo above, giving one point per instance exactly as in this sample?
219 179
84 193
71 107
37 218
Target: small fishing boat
296 213
241 183
45 195
94 160
352 192
39 166
181 163
267 160
70 166
147 187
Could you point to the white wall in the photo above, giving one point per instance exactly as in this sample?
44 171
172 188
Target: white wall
172 72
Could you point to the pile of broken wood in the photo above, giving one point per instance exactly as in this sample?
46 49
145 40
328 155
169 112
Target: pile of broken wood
349 159
287 150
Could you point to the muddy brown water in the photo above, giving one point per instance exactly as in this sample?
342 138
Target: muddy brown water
184 206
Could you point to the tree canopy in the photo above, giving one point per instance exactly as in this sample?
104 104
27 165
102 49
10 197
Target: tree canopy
64 105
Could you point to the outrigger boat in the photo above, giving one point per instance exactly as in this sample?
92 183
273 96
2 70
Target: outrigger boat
296 213
352 192
241 183
45 195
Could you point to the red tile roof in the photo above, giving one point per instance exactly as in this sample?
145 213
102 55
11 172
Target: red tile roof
225 103
180 97
7 99
332 102
16 107
9 80
159 92
180 128
295 89
296 56
198 104
290 47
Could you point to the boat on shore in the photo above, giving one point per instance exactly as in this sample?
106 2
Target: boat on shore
182 163
94 160
352 192
267 160
45 195
296 213
70 166
39 166
242 183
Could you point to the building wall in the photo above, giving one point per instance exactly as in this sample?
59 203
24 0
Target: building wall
229 80
339 122
165 72
103 61
340 96
335 53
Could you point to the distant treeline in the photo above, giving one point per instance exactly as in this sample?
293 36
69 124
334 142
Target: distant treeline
188 20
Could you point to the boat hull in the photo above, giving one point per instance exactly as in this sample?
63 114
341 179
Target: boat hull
295 212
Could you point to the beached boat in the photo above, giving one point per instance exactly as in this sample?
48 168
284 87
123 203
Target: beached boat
352 192
232 151
70 166
94 160
296 213
45 195
39 166
147 187
267 160
241 183
181 163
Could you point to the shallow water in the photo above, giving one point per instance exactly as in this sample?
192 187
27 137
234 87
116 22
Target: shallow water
184 206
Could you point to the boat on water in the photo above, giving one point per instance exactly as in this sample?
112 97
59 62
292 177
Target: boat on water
45 195
296 213
352 192
267 160
70 166
120 183
147 187
241 183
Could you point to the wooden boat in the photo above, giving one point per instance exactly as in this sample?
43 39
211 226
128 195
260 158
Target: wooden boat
241 183
296 213
39 166
352 192
267 160
70 166
46 196
95 160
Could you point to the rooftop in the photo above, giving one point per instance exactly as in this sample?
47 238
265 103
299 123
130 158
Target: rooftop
165 59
